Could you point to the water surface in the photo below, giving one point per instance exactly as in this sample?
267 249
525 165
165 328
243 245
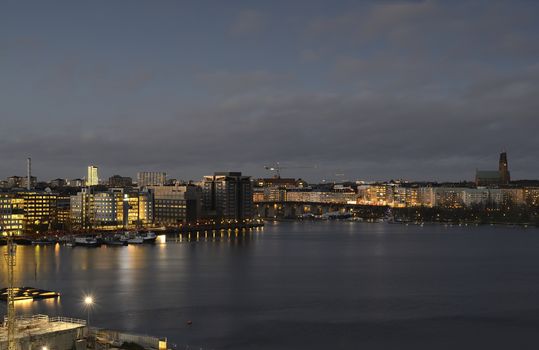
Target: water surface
312 285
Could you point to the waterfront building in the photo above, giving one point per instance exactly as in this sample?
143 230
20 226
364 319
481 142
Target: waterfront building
379 194
494 177
228 195
39 209
63 208
105 208
281 182
274 194
531 196
93 178
11 214
151 178
138 209
448 197
475 196
321 197
259 194
426 197
174 205
111 209
28 211
81 209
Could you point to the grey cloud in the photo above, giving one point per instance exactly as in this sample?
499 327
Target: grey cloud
244 81
247 22
419 90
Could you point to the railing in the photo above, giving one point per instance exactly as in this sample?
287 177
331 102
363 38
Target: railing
46 319
33 318
67 320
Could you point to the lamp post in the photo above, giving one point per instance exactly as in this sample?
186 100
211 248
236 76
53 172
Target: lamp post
88 302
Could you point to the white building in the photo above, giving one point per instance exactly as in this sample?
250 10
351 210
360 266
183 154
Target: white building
93 178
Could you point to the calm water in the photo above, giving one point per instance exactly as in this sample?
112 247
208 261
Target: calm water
323 285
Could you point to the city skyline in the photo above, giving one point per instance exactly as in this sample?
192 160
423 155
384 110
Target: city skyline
192 87
270 172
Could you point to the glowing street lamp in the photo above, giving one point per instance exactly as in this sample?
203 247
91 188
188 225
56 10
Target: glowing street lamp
88 302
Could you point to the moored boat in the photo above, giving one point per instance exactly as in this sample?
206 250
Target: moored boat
87 241
149 237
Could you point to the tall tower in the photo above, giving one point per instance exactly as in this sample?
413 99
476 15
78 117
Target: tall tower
29 173
505 177
93 178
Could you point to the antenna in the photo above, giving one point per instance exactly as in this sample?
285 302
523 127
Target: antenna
29 173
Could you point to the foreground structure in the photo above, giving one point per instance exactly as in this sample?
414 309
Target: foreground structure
41 332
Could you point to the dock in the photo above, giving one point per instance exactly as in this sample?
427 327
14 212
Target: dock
28 293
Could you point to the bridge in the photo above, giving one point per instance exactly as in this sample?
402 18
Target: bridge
290 210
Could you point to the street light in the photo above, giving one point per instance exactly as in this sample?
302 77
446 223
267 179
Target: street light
88 302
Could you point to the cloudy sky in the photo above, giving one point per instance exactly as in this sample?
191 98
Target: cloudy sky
368 89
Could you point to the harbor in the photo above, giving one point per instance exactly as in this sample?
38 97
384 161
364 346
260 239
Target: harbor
65 333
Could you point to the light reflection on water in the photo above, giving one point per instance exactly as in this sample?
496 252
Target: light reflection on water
295 284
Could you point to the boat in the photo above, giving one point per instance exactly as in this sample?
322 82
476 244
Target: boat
136 239
43 241
22 241
114 242
87 241
149 237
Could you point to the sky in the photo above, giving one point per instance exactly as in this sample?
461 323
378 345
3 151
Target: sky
332 90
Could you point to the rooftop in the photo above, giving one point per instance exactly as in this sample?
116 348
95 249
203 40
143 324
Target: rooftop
38 325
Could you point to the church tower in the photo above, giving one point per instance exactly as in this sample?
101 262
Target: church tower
504 169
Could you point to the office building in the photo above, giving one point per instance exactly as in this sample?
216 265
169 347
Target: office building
112 209
92 178
151 178
228 195
11 214
174 205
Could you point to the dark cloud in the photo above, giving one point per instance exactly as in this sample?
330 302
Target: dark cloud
247 22
418 90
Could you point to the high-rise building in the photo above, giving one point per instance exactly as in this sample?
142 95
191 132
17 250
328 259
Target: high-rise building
151 178
505 177
228 195
92 179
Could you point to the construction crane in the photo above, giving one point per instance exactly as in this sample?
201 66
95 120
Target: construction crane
9 255
278 167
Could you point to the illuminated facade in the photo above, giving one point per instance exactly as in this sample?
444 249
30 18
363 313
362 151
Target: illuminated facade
531 196
93 178
111 209
63 208
11 214
28 211
151 178
39 208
